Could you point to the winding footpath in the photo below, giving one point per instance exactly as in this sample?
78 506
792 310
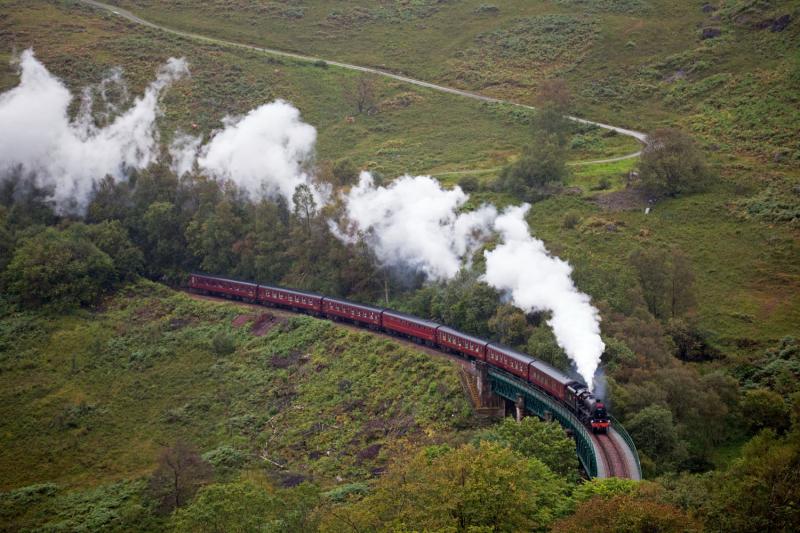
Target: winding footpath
639 136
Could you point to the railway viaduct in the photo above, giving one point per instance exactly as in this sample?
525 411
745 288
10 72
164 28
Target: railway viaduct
601 456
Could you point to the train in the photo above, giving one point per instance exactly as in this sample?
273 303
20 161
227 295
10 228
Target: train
568 391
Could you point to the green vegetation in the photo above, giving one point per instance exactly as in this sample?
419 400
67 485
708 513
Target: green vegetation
698 291
91 398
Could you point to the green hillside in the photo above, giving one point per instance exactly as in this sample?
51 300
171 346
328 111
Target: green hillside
90 399
313 425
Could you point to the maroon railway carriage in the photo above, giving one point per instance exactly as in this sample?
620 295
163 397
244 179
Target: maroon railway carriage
461 342
549 379
352 311
509 360
410 325
229 287
290 298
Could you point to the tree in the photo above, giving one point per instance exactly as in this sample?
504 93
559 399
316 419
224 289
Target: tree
533 438
652 270
553 103
180 473
629 513
58 268
361 94
213 237
654 433
345 172
691 341
463 302
543 164
763 408
305 206
111 200
6 240
672 164
509 324
760 491
681 286
472 488
111 237
165 247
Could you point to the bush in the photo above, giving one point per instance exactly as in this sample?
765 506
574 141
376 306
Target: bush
223 344
469 183
571 220
487 9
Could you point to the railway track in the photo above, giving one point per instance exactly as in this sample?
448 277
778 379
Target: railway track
612 456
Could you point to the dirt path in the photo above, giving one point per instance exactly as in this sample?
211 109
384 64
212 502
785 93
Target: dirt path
639 136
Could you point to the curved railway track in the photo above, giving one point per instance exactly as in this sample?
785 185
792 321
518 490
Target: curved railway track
612 456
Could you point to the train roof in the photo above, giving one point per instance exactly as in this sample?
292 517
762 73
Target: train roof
452 331
552 372
220 278
292 291
412 318
354 304
511 352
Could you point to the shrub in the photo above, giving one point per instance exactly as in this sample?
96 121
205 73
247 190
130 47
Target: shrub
469 183
223 344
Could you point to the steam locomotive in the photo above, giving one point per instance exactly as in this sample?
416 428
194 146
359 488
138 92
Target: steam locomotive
588 408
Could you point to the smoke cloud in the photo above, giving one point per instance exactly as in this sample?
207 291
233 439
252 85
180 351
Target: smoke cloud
265 152
537 281
39 141
415 223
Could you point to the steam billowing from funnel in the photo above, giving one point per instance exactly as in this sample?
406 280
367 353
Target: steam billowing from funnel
414 223
264 152
40 143
536 281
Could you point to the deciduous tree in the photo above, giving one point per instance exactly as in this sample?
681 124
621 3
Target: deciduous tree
672 163
180 473
472 488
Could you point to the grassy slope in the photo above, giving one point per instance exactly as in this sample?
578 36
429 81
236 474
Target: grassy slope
745 260
417 130
621 63
92 398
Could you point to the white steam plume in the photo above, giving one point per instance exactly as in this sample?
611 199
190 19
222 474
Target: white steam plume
414 223
538 281
264 152
183 152
38 140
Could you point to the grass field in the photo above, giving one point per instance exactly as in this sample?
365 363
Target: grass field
637 63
